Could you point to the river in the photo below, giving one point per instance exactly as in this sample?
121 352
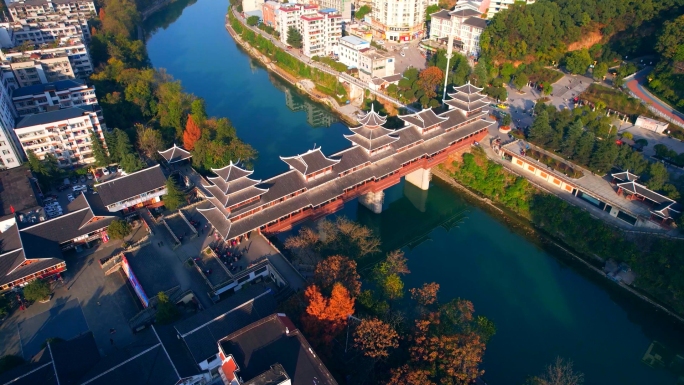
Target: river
543 303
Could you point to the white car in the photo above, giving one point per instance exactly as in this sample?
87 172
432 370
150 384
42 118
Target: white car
380 42
402 54
405 47
80 187
105 171
70 198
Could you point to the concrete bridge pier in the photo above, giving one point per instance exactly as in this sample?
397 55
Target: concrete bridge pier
373 201
416 196
356 93
420 178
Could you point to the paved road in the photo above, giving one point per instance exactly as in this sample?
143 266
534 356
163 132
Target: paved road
636 85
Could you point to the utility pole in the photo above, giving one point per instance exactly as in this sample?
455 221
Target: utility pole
449 54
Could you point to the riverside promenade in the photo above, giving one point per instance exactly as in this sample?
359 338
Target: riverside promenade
344 77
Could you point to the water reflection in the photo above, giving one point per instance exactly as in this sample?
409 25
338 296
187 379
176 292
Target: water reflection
165 17
316 116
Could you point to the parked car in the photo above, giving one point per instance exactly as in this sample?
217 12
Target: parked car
105 171
89 176
79 187
112 169
402 54
380 42
70 197
119 169
62 187
82 179
98 174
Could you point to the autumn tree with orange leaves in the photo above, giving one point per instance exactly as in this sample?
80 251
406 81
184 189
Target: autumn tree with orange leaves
375 338
426 295
338 269
325 318
191 134
429 79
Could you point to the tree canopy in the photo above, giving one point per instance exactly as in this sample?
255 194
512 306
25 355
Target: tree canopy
294 37
174 198
37 290
119 229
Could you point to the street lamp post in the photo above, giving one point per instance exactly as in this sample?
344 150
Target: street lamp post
449 54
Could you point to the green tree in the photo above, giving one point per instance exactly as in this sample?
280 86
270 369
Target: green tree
480 75
604 156
506 120
100 154
253 20
10 362
578 62
362 12
572 136
585 146
600 70
657 176
541 129
37 290
294 38
131 163
167 312
35 164
174 198
507 70
119 229
520 81
430 10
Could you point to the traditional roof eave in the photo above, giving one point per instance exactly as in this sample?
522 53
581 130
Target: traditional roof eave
170 154
372 118
228 170
417 115
300 158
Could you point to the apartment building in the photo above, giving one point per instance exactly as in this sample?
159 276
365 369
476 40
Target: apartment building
64 133
373 64
289 15
398 20
46 97
268 13
321 32
495 6
22 10
344 7
350 50
43 31
465 24
67 60
10 155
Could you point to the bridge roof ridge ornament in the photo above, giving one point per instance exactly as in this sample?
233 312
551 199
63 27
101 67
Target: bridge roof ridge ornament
175 154
232 171
372 118
310 162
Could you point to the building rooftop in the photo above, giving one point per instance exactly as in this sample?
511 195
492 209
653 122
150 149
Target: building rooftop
353 40
53 116
266 348
42 88
175 154
17 191
310 162
423 119
465 13
442 14
202 331
476 22
128 186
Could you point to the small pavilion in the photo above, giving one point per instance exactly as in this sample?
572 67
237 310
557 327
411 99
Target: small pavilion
663 209
175 154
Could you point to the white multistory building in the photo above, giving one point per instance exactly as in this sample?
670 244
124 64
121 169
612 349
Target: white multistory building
350 50
398 20
68 59
466 25
53 96
495 6
64 133
290 15
48 29
321 33
10 154
29 9
344 7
